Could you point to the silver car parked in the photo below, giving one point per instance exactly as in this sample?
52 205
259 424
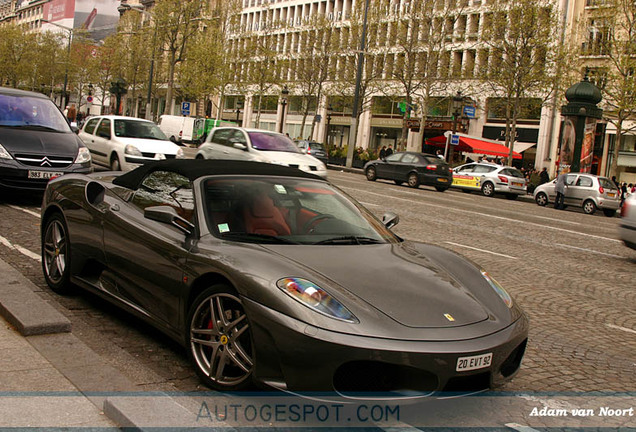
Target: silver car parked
490 179
627 227
587 191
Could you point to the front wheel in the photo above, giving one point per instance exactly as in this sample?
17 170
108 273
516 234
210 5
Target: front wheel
371 174
114 163
488 189
589 207
413 180
541 199
220 339
56 257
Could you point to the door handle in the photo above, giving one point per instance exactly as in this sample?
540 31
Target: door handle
226 152
114 207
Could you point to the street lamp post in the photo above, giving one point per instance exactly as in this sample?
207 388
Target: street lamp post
125 7
458 102
239 105
283 101
329 111
63 99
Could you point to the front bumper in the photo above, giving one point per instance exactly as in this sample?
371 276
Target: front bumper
627 233
298 357
15 176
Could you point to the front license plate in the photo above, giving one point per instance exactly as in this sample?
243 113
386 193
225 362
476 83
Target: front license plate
43 175
443 180
473 362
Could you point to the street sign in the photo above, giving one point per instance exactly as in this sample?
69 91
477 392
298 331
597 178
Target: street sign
454 139
185 108
469 111
89 99
413 124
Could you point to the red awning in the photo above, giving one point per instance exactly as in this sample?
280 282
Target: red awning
475 145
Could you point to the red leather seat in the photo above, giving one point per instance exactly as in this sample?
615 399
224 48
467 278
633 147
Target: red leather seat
263 217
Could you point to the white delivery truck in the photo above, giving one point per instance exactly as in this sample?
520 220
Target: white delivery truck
181 129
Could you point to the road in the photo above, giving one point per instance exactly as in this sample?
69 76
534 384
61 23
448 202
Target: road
568 270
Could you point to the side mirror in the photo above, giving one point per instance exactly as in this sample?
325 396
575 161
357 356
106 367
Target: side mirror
390 220
239 146
168 215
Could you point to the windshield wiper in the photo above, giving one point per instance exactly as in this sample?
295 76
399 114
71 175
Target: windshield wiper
247 236
350 240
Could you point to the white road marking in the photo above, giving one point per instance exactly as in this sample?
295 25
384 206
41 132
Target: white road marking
620 328
32 213
520 428
589 250
491 216
20 249
366 204
481 250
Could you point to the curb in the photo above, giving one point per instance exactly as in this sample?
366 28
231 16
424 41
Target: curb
24 309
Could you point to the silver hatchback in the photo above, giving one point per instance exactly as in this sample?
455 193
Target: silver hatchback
588 191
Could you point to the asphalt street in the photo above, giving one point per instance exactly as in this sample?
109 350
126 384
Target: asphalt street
568 270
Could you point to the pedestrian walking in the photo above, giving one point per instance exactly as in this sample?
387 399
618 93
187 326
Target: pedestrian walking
383 152
389 151
71 115
544 177
439 154
560 188
623 192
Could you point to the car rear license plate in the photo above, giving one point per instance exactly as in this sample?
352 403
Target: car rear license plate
517 184
43 175
611 194
473 362
443 180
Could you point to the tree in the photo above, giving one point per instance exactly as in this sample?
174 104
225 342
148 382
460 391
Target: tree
16 51
523 39
615 39
176 22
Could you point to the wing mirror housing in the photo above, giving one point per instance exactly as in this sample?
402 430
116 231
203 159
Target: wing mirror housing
240 146
390 220
168 215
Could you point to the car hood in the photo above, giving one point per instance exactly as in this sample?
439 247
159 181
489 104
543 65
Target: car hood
405 285
151 145
39 142
288 158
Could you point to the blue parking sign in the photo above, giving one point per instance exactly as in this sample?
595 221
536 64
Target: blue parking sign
454 139
185 108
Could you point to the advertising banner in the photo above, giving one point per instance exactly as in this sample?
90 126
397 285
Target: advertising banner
466 181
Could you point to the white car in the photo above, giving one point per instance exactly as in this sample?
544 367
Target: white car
258 145
124 143
490 179
627 225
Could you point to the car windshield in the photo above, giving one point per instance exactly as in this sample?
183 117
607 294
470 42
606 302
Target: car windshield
272 142
138 129
288 211
31 113
316 146
513 172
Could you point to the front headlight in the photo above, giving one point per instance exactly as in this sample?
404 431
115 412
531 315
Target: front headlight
4 154
83 156
180 154
498 289
132 150
316 298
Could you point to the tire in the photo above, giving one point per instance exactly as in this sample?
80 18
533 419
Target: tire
56 257
220 348
488 189
413 180
398 182
199 157
511 197
541 199
589 207
114 163
609 212
441 188
371 174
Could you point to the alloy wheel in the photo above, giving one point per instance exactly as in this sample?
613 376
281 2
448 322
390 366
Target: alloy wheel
371 176
220 341
54 251
488 189
541 199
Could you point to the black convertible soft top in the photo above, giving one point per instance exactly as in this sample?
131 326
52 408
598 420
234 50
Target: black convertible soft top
195 168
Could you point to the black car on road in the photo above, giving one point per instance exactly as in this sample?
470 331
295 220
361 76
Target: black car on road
414 168
36 142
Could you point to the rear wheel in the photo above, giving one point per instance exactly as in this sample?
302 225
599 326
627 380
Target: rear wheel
199 156
609 212
413 180
220 339
371 174
488 189
589 207
56 257
114 163
541 199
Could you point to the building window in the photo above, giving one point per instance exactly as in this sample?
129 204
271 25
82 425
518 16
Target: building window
530 109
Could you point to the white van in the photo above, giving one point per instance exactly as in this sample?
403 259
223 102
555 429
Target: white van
180 129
